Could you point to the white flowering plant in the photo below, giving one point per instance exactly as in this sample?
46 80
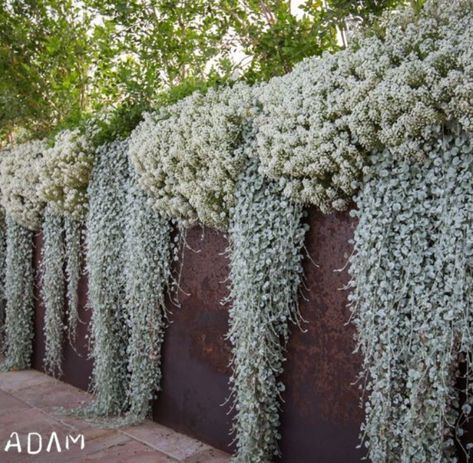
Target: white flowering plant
19 182
65 173
187 154
391 88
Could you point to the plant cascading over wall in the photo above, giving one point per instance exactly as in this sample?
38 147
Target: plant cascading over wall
63 179
107 285
412 302
129 255
148 255
19 309
73 252
19 181
392 116
189 158
385 102
53 289
3 250
266 236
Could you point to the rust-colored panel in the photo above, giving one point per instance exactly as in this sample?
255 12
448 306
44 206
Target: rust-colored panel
77 367
321 417
195 354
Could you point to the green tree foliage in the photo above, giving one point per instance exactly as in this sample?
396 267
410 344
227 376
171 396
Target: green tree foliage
164 43
273 37
45 62
62 60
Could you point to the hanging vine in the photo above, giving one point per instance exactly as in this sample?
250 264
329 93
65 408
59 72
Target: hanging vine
267 235
19 309
72 233
53 289
107 296
413 287
149 253
3 250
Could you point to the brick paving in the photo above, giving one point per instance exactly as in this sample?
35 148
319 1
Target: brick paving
28 404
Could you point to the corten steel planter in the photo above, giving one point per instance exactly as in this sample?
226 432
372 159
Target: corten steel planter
321 414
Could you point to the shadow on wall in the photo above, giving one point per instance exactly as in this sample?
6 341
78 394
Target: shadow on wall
321 414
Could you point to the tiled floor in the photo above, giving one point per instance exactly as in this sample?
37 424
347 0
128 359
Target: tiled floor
28 402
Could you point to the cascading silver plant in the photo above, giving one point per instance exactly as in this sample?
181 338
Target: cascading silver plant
72 232
105 264
412 299
148 257
3 250
19 309
266 236
53 289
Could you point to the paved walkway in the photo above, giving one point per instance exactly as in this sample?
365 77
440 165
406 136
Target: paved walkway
27 405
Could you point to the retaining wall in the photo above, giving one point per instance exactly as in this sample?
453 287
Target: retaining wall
321 415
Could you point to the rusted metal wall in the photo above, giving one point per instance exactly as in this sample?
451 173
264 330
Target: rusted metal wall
321 414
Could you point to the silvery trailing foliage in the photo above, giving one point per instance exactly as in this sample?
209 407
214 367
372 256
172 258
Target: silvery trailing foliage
105 251
267 235
53 289
19 309
19 182
187 154
65 173
388 89
72 243
412 299
148 256
3 250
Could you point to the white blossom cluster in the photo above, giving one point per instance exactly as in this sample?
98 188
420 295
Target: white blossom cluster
53 289
266 239
105 264
19 309
318 123
412 299
187 155
19 182
65 173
